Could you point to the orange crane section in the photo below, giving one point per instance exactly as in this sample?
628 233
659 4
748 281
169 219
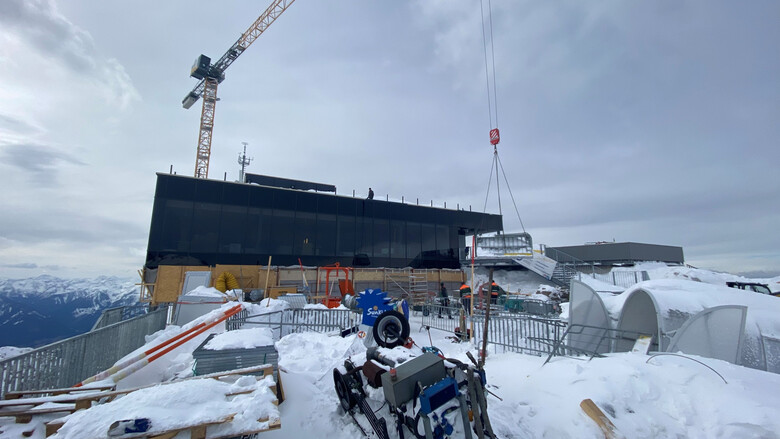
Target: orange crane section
210 75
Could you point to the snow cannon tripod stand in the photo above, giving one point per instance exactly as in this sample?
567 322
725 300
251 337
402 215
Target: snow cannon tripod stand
423 390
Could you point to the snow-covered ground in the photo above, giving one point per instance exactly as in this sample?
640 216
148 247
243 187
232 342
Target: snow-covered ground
644 396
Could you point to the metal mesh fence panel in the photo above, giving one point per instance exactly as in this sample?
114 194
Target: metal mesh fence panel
67 362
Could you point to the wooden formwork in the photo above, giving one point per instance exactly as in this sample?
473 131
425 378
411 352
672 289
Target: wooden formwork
169 281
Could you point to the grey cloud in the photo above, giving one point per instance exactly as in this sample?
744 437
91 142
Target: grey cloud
32 266
16 125
27 266
41 161
40 24
31 225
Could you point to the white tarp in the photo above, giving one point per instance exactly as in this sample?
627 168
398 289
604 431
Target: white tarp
587 313
716 332
661 308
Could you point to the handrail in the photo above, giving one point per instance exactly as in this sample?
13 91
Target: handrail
65 362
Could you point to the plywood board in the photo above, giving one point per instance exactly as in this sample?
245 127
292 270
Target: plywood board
168 287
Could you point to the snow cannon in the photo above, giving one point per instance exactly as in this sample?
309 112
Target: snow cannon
428 396
384 321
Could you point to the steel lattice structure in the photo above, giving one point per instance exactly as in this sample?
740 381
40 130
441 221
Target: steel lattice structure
213 74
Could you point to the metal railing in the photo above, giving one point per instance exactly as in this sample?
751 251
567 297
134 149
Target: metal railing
520 333
119 314
623 279
296 320
507 331
594 341
67 362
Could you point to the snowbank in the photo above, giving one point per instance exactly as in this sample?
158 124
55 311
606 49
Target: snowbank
182 404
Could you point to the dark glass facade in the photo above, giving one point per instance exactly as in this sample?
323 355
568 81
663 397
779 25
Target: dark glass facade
198 221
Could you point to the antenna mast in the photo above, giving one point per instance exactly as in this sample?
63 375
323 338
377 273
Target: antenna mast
244 161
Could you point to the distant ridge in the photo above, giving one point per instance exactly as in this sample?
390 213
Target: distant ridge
44 309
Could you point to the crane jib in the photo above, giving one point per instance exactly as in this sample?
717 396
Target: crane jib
212 74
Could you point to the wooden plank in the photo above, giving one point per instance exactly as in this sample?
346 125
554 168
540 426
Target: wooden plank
67 390
272 425
64 398
53 426
193 428
25 416
594 412
86 401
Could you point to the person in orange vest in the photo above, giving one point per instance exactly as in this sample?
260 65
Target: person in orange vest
463 290
495 292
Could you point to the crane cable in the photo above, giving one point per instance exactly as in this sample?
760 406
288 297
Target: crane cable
492 96
494 105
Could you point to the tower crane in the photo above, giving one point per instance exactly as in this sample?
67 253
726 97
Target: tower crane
210 75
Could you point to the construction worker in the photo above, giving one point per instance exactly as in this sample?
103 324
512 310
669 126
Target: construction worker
445 300
495 292
463 290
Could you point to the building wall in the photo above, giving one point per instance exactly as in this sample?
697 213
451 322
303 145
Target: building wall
210 222
620 252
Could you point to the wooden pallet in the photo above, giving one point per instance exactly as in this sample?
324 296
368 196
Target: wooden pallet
199 431
53 392
79 398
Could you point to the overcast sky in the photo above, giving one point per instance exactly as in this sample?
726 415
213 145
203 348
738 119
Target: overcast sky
652 122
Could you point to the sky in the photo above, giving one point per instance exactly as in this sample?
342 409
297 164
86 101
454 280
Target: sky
652 122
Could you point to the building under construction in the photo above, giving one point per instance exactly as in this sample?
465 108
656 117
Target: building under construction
205 223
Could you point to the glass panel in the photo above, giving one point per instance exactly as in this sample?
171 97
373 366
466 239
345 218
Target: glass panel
179 188
347 239
381 238
365 236
208 191
236 194
261 197
442 237
231 229
205 225
306 202
428 237
326 235
284 199
305 230
326 204
282 232
398 240
176 224
257 227
413 240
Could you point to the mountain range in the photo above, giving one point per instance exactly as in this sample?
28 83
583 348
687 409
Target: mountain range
44 309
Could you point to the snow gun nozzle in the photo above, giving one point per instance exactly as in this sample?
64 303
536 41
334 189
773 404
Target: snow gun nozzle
372 353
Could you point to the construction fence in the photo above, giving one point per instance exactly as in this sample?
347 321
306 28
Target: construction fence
289 321
515 332
67 362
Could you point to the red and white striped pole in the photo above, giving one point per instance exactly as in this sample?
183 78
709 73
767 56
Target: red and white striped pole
144 358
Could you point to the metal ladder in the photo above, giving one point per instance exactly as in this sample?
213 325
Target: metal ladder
397 282
418 281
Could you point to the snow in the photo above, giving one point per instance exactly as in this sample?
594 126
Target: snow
12 351
181 404
644 396
202 291
241 339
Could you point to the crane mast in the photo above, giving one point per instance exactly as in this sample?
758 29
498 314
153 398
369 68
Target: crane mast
210 75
